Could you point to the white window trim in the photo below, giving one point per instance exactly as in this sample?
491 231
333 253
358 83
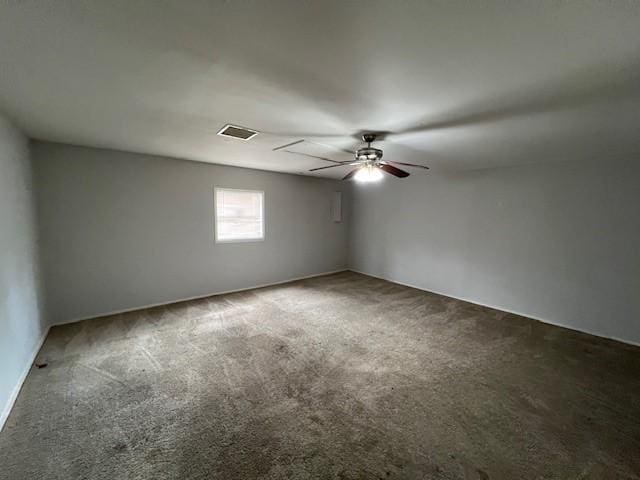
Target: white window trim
215 216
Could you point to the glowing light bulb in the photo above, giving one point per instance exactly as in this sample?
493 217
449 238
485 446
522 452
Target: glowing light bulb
368 173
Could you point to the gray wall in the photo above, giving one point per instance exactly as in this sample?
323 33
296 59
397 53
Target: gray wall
21 324
557 242
122 230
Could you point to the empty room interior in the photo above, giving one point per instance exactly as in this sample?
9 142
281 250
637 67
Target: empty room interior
319 239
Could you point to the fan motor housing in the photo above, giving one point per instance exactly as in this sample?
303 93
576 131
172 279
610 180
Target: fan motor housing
369 153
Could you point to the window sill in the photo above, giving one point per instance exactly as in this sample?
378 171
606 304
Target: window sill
241 240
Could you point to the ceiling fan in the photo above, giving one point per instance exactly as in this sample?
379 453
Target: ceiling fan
370 164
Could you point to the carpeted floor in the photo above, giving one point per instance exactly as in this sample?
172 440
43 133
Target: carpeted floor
343 376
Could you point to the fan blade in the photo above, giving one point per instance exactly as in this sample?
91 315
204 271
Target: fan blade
345 150
327 145
394 171
329 166
314 156
350 174
287 145
406 164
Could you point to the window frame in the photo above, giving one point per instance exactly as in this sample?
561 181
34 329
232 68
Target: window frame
215 216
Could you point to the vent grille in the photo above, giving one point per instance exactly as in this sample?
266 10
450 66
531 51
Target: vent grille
237 132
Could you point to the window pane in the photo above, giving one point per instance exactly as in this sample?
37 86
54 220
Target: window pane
239 215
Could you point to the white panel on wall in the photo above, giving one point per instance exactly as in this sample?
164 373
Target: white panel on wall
336 207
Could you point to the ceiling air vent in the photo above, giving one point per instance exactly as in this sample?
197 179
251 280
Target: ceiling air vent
237 132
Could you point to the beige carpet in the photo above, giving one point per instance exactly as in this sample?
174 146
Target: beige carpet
342 376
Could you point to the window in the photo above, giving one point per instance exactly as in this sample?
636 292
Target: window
239 215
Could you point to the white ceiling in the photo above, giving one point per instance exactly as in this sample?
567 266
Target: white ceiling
478 84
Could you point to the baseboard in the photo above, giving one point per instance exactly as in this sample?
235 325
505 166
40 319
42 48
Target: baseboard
475 302
197 297
6 410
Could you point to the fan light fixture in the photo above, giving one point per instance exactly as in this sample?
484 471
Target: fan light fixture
368 173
